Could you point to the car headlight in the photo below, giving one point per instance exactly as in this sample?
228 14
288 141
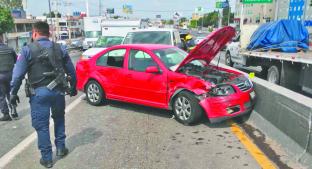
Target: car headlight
222 90
248 79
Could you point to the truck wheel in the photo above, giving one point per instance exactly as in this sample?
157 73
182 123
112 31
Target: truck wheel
95 94
273 75
186 108
228 60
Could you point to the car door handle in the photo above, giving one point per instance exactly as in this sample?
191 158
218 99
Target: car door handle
129 76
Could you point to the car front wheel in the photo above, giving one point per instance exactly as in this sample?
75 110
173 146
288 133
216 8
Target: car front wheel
95 94
186 108
228 60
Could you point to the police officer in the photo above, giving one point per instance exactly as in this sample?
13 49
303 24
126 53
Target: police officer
7 61
45 63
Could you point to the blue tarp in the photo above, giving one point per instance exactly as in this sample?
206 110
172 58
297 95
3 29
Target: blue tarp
283 35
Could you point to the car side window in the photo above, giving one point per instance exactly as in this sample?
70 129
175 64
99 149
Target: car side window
114 58
140 60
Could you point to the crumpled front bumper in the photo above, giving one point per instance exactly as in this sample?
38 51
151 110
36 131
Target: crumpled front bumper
218 109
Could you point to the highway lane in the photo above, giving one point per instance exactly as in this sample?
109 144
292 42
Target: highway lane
121 135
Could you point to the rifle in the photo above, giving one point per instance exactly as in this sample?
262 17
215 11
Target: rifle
59 80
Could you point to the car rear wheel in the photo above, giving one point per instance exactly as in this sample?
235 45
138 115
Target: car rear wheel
95 94
273 75
186 108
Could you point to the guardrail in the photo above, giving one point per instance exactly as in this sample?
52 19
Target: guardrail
284 116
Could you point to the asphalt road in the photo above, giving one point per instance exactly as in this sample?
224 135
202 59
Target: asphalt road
126 136
120 135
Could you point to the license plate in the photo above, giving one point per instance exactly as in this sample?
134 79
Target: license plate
252 95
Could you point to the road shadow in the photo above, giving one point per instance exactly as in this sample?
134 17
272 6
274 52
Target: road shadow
84 137
169 114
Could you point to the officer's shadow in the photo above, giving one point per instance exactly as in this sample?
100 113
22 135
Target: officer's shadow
86 136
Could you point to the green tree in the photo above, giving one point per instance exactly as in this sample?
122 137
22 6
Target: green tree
52 15
11 4
182 20
6 20
170 22
209 19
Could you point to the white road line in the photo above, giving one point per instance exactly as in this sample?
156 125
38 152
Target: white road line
9 156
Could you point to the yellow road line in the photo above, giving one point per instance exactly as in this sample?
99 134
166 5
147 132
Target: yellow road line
256 153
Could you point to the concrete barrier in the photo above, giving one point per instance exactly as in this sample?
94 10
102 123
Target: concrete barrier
284 116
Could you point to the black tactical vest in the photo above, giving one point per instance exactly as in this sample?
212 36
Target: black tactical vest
44 60
7 59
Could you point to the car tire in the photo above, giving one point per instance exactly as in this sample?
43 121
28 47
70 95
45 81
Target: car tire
95 94
228 60
186 108
273 75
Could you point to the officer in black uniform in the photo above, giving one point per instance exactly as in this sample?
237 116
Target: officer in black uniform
7 61
47 65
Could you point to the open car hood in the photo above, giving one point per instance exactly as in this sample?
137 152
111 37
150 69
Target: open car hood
210 46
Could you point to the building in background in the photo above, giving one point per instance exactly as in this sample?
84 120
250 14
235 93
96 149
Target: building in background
20 33
282 9
254 13
66 27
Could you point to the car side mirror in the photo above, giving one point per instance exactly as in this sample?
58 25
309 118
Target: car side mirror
152 69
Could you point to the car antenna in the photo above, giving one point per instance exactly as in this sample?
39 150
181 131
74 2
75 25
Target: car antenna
218 60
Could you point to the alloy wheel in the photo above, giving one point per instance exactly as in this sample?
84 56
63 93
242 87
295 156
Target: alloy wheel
183 108
93 93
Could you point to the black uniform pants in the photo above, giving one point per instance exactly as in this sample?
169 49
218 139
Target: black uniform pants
5 79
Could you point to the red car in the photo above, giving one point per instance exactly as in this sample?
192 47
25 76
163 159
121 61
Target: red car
166 77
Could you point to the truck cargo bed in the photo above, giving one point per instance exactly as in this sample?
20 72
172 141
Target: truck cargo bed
300 57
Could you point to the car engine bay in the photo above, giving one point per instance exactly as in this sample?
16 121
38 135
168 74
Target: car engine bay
207 73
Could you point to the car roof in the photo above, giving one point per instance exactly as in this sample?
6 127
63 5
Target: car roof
145 46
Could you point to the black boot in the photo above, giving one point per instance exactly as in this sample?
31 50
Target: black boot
61 152
5 117
46 164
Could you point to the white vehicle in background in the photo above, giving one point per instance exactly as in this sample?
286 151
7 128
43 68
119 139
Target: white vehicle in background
121 27
92 31
154 36
291 70
101 44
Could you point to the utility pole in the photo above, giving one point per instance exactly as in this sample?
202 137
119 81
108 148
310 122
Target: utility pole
100 8
87 6
229 16
220 18
52 27
276 9
304 11
241 21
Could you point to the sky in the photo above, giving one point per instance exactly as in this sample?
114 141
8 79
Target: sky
141 8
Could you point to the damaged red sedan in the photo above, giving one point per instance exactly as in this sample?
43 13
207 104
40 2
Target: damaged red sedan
166 77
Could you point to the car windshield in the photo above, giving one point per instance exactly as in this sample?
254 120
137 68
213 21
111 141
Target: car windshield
149 37
93 34
108 41
171 57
